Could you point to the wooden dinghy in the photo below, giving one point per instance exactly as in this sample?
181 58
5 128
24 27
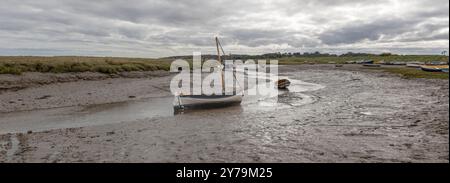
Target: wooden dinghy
282 83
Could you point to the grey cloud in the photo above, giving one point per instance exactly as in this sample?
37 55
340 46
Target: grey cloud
356 31
258 37
161 27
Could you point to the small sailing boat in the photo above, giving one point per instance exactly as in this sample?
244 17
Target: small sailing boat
183 101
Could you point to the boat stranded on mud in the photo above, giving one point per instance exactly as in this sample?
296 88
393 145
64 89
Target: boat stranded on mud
434 68
224 97
183 100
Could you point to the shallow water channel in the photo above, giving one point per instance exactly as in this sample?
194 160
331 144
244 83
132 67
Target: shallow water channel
80 116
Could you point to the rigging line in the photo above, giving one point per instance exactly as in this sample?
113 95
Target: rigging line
239 83
221 47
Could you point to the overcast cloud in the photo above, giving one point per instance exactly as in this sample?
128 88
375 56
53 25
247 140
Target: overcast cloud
157 28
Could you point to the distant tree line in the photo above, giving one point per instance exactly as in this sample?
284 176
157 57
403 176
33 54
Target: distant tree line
283 55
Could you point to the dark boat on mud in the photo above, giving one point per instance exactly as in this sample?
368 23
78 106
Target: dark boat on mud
282 83
434 68
365 62
371 65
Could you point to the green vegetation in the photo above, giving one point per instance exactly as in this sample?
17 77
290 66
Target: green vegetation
413 72
108 65
111 65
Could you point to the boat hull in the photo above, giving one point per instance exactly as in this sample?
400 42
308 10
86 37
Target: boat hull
365 62
431 70
206 101
440 68
372 65
413 65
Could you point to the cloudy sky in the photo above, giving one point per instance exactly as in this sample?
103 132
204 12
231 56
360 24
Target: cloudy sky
157 28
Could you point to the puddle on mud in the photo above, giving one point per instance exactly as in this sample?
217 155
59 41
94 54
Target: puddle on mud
14 147
80 116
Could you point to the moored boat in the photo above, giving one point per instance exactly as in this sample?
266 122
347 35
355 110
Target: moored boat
413 65
434 68
437 63
183 101
206 101
282 83
398 63
365 62
372 65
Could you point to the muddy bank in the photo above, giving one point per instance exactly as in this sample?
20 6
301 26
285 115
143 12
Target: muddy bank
44 90
9 82
360 116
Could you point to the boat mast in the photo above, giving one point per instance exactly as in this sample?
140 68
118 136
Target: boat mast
220 60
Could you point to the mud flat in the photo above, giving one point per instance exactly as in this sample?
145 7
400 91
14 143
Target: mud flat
358 116
32 91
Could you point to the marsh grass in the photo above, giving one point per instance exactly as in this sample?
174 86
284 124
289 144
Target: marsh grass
409 73
108 65
111 65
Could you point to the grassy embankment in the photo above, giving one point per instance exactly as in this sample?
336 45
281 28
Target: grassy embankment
409 73
108 65
111 65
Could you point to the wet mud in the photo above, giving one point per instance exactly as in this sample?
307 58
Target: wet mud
349 115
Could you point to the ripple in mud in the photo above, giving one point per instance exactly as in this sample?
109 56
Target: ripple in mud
291 97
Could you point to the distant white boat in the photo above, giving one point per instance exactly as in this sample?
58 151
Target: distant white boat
414 65
398 63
